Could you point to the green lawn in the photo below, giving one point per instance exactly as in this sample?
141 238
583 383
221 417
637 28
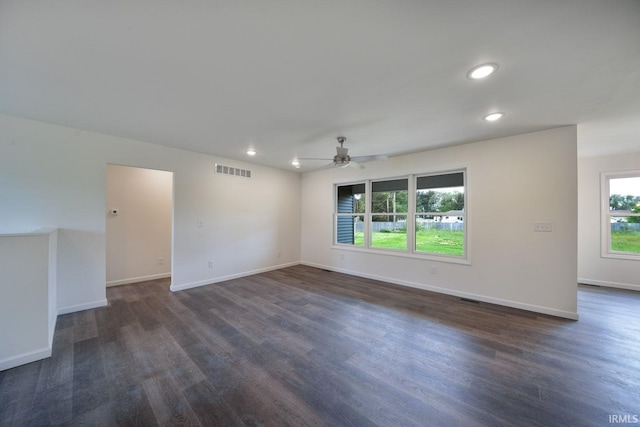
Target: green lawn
622 241
452 242
434 241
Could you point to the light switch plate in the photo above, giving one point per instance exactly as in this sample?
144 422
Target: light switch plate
542 227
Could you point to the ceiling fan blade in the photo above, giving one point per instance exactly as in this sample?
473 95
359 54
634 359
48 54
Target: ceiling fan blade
355 165
329 166
313 158
363 159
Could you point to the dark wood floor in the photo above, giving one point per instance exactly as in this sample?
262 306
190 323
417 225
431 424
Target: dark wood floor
302 346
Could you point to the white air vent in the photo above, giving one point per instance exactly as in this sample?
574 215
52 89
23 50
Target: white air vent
228 170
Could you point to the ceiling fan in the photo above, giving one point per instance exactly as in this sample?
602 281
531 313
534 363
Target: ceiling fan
342 158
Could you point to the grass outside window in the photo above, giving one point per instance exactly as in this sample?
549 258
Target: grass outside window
434 241
625 241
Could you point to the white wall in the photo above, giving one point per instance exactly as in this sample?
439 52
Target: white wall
593 269
53 176
27 290
512 182
140 234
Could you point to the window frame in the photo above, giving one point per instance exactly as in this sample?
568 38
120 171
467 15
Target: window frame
462 214
339 215
411 215
371 214
606 214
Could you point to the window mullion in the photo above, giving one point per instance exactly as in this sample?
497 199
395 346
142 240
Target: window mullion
367 214
411 214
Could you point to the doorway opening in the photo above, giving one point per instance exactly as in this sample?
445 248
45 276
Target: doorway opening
139 223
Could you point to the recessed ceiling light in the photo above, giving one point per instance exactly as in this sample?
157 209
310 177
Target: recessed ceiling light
251 152
492 117
482 71
296 163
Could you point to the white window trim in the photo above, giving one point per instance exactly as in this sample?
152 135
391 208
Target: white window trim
410 252
369 215
605 215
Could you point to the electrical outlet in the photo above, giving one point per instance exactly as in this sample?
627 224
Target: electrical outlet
210 264
434 270
160 260
200 223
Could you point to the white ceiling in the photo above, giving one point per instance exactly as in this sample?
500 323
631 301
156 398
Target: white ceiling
287 77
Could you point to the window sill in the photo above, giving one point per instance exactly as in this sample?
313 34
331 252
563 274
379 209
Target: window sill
620 255
402 254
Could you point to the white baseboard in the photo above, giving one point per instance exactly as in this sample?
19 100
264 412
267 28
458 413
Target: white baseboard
213 280
23 359
628 286
137 279
81 307
498 301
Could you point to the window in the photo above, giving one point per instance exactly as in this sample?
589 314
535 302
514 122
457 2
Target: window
440 215
418 215
350 214
388 224
621 215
